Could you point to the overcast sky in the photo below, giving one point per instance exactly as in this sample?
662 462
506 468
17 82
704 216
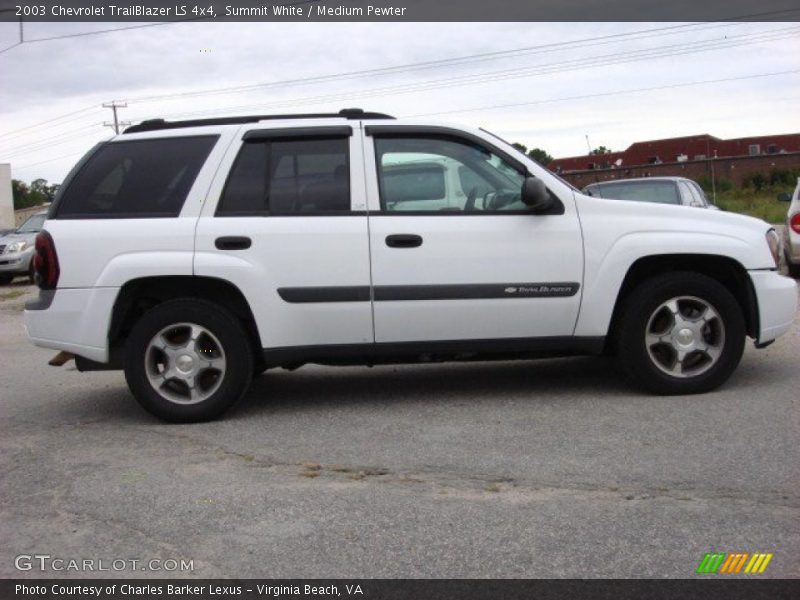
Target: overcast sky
46 80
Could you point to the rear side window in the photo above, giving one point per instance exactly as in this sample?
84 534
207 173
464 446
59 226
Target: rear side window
282 177
662 192
136 179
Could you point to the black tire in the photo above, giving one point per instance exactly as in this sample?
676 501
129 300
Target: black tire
6 279
234 381
644 301
792 269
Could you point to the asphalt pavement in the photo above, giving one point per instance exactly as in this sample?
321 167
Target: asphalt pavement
551 468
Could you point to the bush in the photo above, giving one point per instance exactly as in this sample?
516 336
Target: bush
756 181
721 184
784 177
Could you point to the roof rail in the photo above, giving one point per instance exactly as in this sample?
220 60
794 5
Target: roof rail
158 124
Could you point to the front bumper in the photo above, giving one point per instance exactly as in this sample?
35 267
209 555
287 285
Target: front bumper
777 303
17 263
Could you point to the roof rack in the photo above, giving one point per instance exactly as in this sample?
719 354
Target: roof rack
157 124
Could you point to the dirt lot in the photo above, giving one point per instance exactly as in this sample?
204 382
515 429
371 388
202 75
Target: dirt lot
527 469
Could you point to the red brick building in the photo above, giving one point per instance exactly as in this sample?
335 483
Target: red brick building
690 156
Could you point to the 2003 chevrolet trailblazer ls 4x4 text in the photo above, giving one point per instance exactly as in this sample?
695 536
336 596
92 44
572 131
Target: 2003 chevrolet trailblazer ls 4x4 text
195 254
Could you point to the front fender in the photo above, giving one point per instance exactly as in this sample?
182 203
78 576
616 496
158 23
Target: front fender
606 271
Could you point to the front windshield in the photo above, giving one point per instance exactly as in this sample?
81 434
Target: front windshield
32 225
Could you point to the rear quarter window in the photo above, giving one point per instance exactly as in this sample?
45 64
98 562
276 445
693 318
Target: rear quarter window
136 179
660 192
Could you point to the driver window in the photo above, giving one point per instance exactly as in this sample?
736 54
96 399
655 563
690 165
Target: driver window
431 174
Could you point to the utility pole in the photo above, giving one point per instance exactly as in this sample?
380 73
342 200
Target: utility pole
114 105
588 145
711 168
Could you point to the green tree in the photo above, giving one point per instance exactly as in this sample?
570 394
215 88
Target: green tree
521 147
38 192
601 150
540 156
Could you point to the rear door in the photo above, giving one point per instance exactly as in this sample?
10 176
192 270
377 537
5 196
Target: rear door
286 223
455 253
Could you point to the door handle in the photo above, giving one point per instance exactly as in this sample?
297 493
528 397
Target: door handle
403 240
233 242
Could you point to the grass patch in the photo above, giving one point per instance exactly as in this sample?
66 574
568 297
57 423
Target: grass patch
761 204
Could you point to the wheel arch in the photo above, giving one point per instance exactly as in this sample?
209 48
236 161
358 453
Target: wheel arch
727 271
139 295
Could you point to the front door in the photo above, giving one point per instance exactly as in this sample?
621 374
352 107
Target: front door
455 253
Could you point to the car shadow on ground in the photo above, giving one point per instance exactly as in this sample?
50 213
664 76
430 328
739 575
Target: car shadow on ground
538 380
542 382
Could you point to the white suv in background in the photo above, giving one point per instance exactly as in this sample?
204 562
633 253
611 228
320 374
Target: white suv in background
195 254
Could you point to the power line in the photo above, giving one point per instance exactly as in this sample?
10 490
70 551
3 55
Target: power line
11 47
453 61
112 30
35 145
395 69
603 94
58 118
617 58
98 32
49 160
534 102
127 28
739 20
536 70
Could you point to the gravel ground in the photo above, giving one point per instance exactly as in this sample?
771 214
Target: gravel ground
520 469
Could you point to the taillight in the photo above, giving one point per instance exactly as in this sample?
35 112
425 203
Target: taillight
794 223
45 262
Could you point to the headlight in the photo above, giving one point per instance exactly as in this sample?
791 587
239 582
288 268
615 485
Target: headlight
17 247
774 243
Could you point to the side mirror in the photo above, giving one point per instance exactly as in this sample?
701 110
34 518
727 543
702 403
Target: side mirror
784 197
536 196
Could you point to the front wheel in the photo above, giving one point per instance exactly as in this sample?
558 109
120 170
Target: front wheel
681 333
188 360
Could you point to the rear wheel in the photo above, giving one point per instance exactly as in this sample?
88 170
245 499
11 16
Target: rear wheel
6 279
682 333
188 360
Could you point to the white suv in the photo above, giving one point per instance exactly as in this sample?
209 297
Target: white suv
195 254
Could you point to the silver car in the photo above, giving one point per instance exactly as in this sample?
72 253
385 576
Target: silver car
791 232
664 190
17 249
